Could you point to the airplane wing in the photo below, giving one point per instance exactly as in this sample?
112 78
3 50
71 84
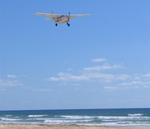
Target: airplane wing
78 15
49 15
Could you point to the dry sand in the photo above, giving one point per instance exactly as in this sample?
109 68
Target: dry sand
12 126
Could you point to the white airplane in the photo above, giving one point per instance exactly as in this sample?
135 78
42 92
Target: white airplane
60 18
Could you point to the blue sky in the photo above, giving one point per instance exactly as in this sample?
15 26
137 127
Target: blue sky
101 61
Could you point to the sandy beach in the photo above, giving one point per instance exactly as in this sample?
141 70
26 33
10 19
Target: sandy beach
13 126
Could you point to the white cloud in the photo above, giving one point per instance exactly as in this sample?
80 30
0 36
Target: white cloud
103 72
92 76
68 77
11 76
101 64
99 60
105 66
9 81
96 72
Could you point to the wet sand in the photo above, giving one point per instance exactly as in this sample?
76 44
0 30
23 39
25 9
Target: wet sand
13 126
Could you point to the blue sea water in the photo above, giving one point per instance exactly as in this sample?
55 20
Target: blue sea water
83 117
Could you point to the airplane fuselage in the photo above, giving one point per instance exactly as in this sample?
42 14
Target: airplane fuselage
62 19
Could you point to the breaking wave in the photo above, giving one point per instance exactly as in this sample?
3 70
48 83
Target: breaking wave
36 116
123 117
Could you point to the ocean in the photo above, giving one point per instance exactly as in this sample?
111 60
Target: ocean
121 117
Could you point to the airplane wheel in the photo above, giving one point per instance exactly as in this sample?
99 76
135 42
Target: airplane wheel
68 24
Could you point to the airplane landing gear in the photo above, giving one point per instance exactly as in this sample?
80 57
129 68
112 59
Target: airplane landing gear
56 24
68 24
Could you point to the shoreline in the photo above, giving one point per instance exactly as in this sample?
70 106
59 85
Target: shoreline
64 126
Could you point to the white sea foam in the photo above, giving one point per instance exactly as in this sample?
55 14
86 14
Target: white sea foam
77 117
65 121
123 117
8 119
34 116
104 119
130 119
